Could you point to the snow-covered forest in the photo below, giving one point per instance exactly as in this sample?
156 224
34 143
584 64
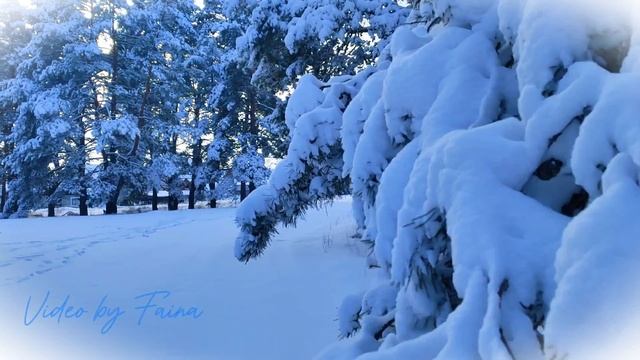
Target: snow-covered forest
490 148
111 100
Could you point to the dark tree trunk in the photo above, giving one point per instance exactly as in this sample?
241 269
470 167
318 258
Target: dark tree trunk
213 203
173 181
114 70
84 209
192 192
253 130
7 148
51 196
111 208
3 197
196 162
10 205
6 178
112 204
4 194
82 206
154 200
243 190
172 203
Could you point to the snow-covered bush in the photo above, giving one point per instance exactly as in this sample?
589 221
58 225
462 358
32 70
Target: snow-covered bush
493 155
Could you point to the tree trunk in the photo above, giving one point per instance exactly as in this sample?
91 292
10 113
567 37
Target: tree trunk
154 200
213 202
112 204
192 192
6 178
111 208
51 196
82 170
195 163
172 182
243 190
172 203
3 196
10 205
143 105
114 67
84 209
253 129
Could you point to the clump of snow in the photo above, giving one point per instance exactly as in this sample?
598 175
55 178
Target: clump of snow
109 130
610 129
307 96
598 292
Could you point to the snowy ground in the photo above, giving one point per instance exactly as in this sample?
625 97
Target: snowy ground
281 306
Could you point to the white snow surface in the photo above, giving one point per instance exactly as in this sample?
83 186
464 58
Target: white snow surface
251 311
597 263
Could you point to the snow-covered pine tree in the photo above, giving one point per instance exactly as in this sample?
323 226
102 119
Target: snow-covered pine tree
223 100
335 37
322 38
325 39
174 113
243 138
14 36
201 67
474 146
55 109
146 97
117 131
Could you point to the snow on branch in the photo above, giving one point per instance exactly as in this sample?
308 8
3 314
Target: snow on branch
493 156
